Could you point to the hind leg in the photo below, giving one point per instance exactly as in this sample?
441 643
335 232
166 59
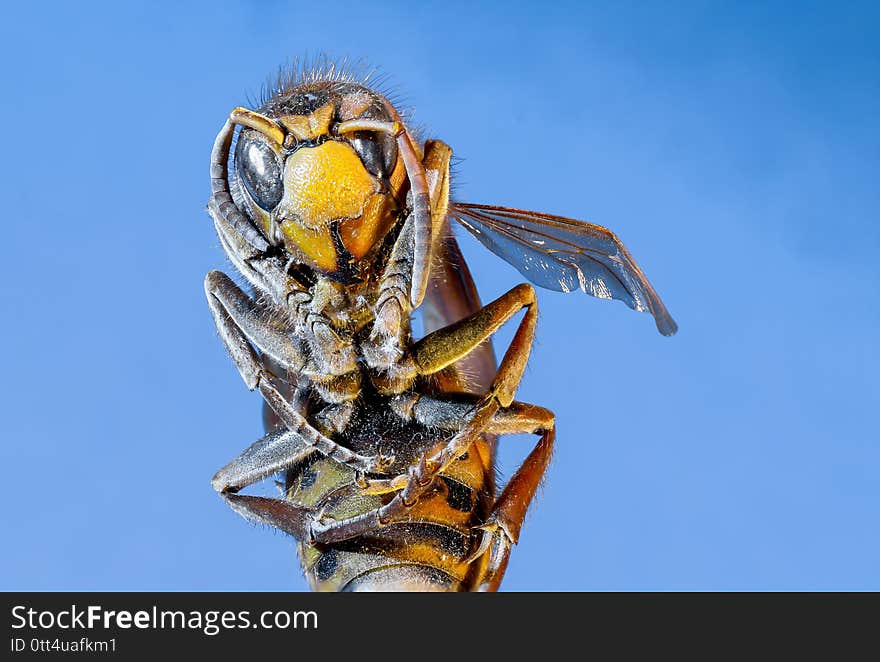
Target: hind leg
501 529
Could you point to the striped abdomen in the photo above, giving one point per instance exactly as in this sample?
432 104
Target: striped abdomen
425 552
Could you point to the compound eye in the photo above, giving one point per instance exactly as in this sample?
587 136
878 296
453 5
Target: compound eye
257 165
378 153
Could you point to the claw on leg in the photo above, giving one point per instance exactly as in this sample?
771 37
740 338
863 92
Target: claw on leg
502 527
496 541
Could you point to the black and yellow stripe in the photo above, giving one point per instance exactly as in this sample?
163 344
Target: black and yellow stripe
427 550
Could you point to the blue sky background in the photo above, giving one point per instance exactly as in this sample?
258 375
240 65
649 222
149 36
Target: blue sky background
733 147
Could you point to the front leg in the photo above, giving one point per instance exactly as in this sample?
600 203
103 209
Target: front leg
262 265
395 302
385 347
239 321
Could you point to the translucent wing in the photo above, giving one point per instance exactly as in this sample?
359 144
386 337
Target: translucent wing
564 254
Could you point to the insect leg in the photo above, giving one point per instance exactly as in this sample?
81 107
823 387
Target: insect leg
422 242
455 415
254 322
393 303
275 451
510 508
502 527
445 346
310 526
265 271
229 306
431 354
283 515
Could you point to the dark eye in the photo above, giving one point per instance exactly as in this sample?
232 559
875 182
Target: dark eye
256 164
378 153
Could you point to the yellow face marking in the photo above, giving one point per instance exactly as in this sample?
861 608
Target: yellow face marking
325 183
315 245
310 127
322 184
359 235
328 183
